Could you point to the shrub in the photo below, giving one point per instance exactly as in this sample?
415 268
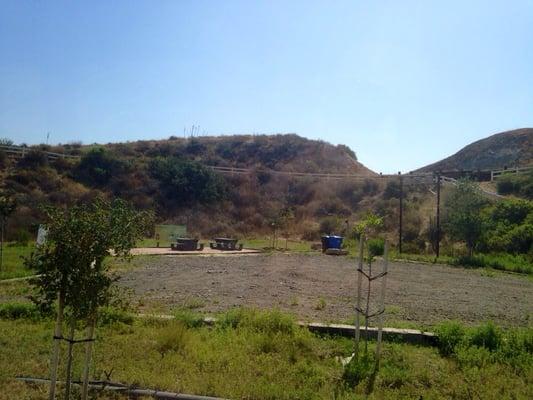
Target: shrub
358 370
488 336
376 247
19 310
449 336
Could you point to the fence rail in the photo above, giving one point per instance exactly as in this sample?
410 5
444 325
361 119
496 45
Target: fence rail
499 172
20 152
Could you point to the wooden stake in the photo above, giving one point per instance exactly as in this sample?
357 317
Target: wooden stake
58 331
69 359
358 302
88 354
382 302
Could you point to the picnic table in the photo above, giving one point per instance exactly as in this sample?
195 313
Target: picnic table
186 244
225 244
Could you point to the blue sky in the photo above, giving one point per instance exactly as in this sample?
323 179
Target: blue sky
403 83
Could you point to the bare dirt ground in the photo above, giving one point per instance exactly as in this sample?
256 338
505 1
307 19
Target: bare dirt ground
320 287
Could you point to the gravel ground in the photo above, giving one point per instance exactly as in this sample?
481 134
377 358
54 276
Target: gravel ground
320 287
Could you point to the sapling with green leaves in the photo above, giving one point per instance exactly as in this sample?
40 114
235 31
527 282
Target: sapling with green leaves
72 275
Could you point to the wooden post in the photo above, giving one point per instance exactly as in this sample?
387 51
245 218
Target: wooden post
88 355
69 359
358 301
437 252
382 302
55 350
401 215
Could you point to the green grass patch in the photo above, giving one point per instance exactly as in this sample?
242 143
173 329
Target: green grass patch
502 262
13 264
265 355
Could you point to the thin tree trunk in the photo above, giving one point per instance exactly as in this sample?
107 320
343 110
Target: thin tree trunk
88 355
69 359
55 350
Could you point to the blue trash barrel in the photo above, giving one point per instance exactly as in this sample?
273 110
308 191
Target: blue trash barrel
335 242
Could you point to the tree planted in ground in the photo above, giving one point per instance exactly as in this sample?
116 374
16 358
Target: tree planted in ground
7 207
464 220
72 275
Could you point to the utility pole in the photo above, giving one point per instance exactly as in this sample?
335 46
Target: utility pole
401 214
438 216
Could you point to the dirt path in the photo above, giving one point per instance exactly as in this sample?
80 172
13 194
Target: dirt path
419 294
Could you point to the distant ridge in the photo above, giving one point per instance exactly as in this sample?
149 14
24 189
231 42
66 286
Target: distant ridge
505 149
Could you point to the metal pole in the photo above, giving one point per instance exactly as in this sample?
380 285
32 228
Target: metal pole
437 252
401 215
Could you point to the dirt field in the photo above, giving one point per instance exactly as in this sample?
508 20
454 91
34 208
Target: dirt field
320 287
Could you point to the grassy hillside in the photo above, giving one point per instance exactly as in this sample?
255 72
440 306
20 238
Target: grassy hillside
510 148
171 177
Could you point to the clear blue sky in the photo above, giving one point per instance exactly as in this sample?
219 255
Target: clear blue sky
403 83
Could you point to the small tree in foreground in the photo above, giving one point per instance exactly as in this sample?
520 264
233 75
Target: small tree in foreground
71 269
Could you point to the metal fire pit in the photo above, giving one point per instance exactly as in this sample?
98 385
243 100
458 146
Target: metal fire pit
225 244
186 244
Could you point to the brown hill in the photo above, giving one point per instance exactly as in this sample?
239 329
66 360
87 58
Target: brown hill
510 148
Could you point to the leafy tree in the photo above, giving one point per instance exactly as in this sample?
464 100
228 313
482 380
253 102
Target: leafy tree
71 268
464 219
516 184
187 182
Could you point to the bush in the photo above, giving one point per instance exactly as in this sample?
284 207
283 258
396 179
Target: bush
376 247
503 262
449 336
19 310
358 370
487 336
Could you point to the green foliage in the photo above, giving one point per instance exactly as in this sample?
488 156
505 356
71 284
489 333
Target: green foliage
187 182
449 336
19 310
273 321
485 344
464 220
376 247
509 226
516 184
188 318
70 263
111 315
503 262
370 224
358 370
98 166
174 337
